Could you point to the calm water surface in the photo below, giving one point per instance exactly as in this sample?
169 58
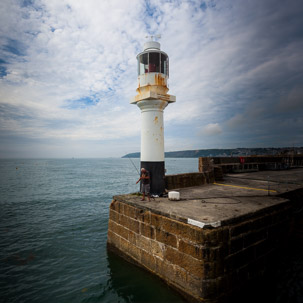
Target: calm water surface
53 231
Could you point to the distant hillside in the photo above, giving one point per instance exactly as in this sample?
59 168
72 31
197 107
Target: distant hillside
224 152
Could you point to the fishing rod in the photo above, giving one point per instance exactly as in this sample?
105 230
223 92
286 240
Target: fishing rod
133 164
151 196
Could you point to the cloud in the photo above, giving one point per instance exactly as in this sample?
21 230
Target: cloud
212 129
68 69
268 122
292 101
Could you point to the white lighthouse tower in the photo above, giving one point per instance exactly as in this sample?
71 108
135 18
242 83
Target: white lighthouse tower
152 98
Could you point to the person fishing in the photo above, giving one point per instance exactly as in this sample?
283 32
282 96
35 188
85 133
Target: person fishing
145 185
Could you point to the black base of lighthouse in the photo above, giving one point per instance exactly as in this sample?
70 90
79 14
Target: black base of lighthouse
157 175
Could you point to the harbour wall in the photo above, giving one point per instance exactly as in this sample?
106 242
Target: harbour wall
188 180
253 163
205 265
211 263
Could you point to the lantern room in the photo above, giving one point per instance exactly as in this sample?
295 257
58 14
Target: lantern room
152 59
153 73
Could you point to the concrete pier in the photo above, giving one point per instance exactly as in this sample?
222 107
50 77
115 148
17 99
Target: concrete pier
217 239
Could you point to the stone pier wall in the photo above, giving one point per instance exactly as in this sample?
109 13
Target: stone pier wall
164 246
188 180
230 164
206 265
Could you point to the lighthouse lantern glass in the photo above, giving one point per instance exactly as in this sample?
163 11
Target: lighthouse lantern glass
153 62
143 63
164 64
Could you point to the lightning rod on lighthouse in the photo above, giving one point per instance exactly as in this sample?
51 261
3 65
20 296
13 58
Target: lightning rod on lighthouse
152 98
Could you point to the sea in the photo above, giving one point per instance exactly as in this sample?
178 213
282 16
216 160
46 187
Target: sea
53 233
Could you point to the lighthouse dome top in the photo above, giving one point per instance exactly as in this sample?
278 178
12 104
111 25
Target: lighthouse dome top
151 45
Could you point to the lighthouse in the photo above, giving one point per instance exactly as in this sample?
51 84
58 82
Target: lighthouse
152 99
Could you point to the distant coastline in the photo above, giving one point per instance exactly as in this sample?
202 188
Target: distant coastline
234 152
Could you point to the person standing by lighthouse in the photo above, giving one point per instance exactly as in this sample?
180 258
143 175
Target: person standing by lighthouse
152 98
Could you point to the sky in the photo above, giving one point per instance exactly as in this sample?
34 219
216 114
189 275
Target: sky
68 71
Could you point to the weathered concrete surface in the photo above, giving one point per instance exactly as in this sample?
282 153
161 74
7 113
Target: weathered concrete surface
281 180
228 200
218 238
